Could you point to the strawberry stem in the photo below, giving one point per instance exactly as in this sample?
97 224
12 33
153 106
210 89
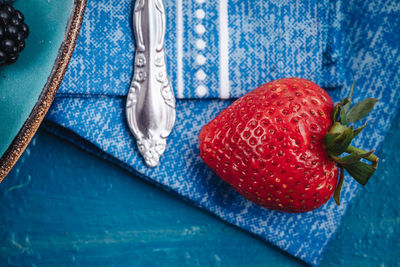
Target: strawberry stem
338 189
372 158
338 141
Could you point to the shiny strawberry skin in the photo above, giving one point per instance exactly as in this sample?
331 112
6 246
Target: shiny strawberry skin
268 145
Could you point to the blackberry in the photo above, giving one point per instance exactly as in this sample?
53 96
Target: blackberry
13 32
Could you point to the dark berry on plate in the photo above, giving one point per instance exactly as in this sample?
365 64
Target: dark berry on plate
20 36
24 28
3 58
12 58
15 21
21 46
7 45
4 14
13 32
19 15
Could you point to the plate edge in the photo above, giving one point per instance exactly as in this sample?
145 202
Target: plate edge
31 125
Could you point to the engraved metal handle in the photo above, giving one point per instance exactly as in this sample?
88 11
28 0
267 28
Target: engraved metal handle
150 106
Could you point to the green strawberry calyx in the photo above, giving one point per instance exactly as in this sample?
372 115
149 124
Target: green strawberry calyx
338 140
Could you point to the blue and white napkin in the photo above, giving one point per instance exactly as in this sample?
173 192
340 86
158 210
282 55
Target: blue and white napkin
217 51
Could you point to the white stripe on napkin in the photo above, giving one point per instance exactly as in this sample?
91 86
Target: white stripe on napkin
179 27
223 50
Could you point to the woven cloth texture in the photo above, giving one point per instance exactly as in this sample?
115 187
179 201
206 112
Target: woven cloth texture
320 40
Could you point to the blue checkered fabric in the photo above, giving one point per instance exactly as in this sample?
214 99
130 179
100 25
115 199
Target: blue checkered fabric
323 41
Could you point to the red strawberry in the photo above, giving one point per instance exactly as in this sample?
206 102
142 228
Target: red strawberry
279 147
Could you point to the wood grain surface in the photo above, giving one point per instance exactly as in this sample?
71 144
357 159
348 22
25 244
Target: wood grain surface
62 206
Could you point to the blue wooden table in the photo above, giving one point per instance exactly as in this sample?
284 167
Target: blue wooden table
63 206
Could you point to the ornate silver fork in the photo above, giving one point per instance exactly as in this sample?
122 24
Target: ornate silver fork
150 106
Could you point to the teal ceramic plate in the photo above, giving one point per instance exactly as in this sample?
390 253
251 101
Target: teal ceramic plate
28 87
